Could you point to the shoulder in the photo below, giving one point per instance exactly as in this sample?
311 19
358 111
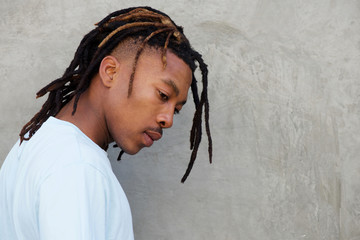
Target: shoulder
58 145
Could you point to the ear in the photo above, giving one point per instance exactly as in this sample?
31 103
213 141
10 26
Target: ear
107 70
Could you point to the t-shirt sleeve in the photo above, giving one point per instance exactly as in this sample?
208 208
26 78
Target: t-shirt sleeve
72 204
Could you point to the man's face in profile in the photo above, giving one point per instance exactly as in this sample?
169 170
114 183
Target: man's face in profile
158 93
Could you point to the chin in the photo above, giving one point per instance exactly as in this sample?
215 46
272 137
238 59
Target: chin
130 151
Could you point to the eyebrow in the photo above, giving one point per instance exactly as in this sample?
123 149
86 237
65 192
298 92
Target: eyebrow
172 84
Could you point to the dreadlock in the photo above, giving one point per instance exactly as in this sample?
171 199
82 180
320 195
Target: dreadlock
154 29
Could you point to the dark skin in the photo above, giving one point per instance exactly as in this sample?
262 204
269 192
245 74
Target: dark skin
105 113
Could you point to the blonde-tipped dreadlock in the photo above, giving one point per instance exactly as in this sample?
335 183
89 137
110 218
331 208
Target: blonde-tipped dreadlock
154 29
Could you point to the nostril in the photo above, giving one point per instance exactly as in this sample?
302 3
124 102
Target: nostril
162 123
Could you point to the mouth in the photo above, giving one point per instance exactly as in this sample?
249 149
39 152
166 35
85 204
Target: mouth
151 136
154 135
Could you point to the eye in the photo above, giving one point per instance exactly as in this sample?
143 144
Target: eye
163 96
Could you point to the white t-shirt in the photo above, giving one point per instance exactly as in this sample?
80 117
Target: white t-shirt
60 185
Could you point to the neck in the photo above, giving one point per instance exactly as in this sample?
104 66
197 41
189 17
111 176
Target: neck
88 118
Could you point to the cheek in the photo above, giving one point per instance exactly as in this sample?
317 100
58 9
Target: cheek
139 114
145 102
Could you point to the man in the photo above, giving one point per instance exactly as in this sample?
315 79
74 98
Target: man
128 78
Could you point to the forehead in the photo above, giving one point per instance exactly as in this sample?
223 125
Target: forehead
150 64
168 66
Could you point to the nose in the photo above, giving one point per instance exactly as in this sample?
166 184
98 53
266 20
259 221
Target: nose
165 119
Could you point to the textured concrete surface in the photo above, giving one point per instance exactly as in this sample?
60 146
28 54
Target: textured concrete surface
285 115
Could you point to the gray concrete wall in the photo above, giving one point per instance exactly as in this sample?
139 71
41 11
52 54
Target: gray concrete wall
285 115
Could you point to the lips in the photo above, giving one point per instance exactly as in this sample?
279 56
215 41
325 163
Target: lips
153 135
